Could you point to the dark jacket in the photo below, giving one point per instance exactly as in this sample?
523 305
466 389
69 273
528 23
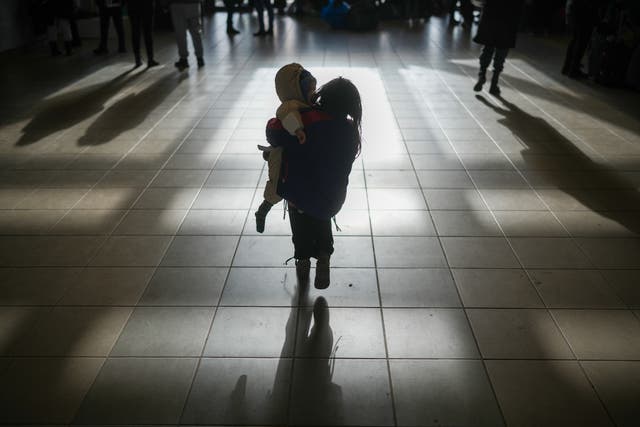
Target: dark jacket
499 23
314 175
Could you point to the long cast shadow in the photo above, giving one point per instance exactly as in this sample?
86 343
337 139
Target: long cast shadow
130 111
540 137
66 110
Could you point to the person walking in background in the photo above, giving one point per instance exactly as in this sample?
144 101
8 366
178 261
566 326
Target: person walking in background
110 10
230 5
581 17
186 15
497 32
141 19
466 11
260 7
59 14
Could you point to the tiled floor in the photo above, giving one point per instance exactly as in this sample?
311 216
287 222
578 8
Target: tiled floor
487 272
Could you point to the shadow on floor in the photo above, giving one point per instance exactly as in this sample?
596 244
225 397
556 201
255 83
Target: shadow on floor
540 137
130 111
66 110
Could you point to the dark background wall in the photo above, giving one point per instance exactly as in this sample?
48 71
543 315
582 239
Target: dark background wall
15 25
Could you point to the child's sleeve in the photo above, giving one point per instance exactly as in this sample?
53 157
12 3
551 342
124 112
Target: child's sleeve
289 115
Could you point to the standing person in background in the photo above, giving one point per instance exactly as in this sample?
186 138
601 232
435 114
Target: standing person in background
581 16
497 32
260 6
141 19
466 11
186 15
230 5
59 13
110 10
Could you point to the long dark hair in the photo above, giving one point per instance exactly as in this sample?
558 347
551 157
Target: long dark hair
340 97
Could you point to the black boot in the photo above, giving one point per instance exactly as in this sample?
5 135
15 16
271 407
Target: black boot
482 78
494 89
261 215
68 48
53 46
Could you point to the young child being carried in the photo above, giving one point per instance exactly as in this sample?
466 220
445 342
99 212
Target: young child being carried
296 89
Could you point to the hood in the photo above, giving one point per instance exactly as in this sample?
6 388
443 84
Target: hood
288 83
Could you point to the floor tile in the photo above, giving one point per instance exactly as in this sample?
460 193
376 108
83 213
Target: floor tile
601 334
183 286
529 224
15 324
212 222
444 179
244 392
263 251
425 390
166 198
234 179
417 288
151 222
617 384
517 334
408 252
341 392
549 252
224 198
256 287
350 287
339 332
252 332
88 222
512 200
454 200
575 289
391 179
507 288
46 390
164 331
395 199
134 251
180 178
429 333
109 198
138 391
624 283
35 286
479 252
200 251
74 331
107 286
465 223
612 253
549 393
401 223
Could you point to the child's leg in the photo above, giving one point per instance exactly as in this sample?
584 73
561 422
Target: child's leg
270 190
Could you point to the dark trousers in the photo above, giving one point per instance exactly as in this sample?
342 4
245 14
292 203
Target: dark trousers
581 35
114 14
142 23
230 5
498 54
260 6
311 237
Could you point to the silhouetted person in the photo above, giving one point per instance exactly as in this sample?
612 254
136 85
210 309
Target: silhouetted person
186 15
59 14
261 5
230 5
110 10
581 18
141 19
497 32
466 11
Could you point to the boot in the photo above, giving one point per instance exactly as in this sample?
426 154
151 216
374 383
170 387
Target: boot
482 78
182 64
53 46
68 48
322 279
261 215
494 89
302 270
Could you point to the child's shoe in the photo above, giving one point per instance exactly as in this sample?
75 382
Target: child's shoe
322 279
261 215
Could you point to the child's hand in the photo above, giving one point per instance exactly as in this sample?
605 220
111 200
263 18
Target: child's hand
302 137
